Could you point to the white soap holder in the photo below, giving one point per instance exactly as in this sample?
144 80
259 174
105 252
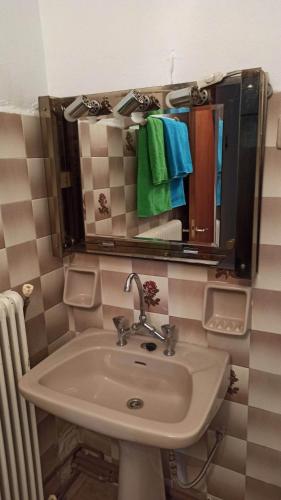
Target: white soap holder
226 308
80 288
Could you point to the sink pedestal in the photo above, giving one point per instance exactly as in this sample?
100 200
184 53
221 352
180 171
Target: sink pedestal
140 472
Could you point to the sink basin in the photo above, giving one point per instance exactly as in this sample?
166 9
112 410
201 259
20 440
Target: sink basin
90 381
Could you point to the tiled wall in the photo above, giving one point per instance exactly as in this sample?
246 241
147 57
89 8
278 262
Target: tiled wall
248 463
109 175
25 249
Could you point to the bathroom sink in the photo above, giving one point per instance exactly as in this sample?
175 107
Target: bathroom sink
129 393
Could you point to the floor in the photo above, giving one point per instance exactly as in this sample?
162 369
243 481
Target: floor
85 488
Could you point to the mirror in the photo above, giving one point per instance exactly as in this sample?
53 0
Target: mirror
102 192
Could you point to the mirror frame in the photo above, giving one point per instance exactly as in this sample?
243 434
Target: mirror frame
61 150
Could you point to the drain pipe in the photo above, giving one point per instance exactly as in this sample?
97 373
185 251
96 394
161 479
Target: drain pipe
197 479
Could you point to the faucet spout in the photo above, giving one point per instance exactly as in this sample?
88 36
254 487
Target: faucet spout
128 287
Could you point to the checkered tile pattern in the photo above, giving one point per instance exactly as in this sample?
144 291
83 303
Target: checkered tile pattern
247 465
109 176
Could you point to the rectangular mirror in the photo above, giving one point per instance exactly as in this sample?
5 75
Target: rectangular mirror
106 195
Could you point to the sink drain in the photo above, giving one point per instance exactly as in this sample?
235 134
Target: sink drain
135 403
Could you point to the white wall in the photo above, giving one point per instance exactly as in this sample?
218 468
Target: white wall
96 45
22 62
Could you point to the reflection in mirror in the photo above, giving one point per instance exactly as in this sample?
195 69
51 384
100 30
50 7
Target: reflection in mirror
168 186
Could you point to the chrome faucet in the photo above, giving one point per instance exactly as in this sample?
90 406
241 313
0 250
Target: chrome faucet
142 323
123 330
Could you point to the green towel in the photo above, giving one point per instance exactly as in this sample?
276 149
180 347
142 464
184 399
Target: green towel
153 188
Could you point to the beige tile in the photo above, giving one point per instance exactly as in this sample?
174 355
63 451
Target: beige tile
190 330
239 390
56 322
154 318
149 267
258 490
104 227
52 287
41 216
155 294
274 111
110 312
232 452
84 138
35 306
238 347
18 223
116 171
87 318
264 428
269 273
37 177
2 242
266 311
185 298
47 261
11 136
264 464
4 271
14 184
85 260
86 174
23 263
102 204
112 290
115 146
60 341
233 418
129 142
89 206
117 200
100 172
121 264
119 225
130 169
132 223
32 136
36 339
264 391
221 480
131 197
98 140
187 272
270 230
265 352
272 173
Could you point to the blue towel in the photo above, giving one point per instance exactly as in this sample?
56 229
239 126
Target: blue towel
178 157
219 162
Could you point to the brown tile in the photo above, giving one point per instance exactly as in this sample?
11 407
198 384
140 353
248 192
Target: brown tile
18 223
56 322
23 262
37 177
102 204
110 312
112 290
104 227
4 271
87 318
232 452
115 146
221 480
100 172
84 138
187 272
36 339
32 136
121 264
266 310
11 136
131 197
270 229
116 171
265 352
52 287
60 341
98 140
233 418
129 142
90 229
49 461
239 390
237 346
264 428
185 298
264 391
271 186
119 225
47 261
190 330
130 170
41 216
269 272
264 464
86 174
14 184
35 306
155 294
150 267
89 205
2 242
258 490
117 195
47 434
132 222
274 111
85 260
213 275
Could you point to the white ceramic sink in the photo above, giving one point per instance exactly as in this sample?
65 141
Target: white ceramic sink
90 380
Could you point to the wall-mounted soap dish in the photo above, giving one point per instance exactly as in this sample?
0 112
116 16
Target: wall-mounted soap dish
226 308
80 288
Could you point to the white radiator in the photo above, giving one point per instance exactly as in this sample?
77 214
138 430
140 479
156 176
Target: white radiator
171 230
20 470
